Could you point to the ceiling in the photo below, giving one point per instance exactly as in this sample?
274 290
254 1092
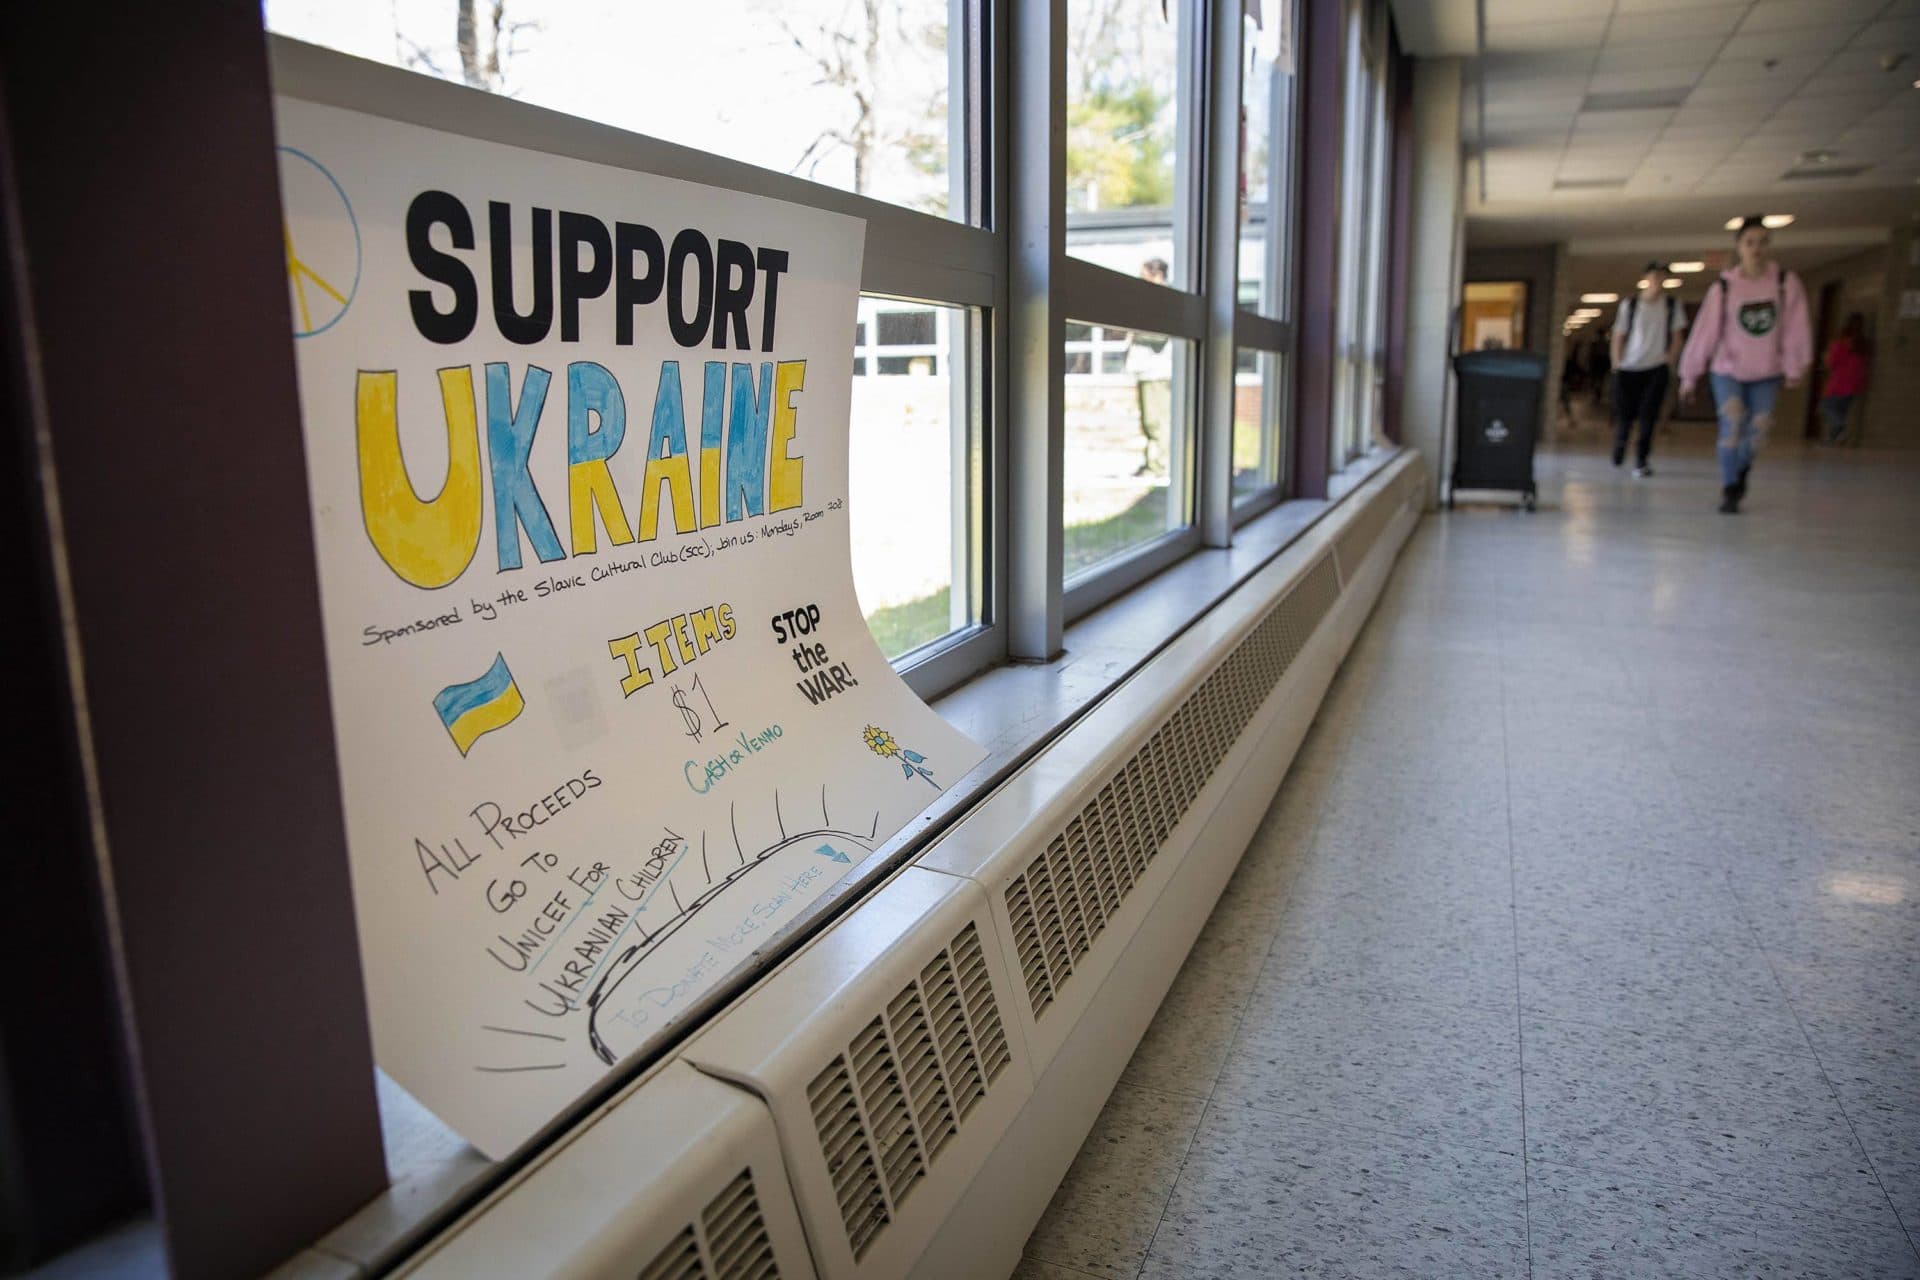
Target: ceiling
1647 123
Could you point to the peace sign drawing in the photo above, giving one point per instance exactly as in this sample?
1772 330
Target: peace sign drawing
322 243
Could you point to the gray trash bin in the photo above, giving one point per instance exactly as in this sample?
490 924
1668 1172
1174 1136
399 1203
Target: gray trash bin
1498 421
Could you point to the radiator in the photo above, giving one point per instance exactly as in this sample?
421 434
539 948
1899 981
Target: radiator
903 1096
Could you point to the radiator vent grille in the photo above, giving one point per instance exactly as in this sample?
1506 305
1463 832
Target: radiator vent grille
731 1242
886 1108
737 1241
1361 533
876 1074
849 1153
1062 899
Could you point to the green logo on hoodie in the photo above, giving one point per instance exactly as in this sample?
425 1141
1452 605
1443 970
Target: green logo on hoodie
1757 317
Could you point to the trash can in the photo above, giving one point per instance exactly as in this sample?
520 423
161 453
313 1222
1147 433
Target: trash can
1498 421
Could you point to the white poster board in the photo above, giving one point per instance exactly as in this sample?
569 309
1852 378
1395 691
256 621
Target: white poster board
607 710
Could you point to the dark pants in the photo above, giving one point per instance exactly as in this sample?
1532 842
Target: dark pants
1637 397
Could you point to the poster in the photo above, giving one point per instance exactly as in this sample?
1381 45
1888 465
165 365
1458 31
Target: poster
608 713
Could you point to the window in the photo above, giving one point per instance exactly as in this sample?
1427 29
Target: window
859 97
1266 159
914 491
1360 367
1257 396
873 99
1129 113
1128 454
1262 411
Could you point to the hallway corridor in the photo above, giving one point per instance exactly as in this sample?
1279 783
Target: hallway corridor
1583 938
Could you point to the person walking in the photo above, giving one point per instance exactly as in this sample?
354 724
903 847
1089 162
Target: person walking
1569 381
1846 366
1750 336
1648 330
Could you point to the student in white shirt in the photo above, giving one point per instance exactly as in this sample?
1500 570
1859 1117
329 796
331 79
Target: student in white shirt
1648 331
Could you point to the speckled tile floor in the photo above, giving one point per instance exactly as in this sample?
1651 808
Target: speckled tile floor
1583 938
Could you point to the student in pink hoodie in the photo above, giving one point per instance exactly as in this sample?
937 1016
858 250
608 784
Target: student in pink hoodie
1750 335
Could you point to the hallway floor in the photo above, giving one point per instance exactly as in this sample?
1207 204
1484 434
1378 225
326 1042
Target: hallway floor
1583 938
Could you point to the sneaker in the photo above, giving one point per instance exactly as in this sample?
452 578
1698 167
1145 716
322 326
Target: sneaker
1729 501
1642 471
1619 456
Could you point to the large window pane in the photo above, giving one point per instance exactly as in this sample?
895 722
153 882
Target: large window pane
1266 157
1128 453
1257 397
856 94
912 486
1126 120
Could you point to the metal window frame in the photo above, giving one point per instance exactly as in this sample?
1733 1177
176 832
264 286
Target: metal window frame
909 254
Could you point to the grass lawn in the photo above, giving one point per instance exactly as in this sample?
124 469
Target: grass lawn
912 623
1090 543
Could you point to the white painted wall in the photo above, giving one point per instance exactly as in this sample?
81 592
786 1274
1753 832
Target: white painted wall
1433 272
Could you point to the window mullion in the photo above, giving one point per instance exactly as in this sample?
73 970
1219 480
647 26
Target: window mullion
1036 359
1218 163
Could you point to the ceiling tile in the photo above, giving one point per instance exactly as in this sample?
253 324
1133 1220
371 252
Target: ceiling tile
1900 33
1781 15
1828 112
1786 44
1710 121
1663 22
1533 12
1786 71
1628 48
1739 95
1658 78
1830 84
1862 61
1685 153
1585 34
1610 122
1641 6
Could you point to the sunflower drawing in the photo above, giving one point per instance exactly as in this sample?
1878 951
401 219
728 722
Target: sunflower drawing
912 763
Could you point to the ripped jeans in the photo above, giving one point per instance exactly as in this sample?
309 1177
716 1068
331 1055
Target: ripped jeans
1746 415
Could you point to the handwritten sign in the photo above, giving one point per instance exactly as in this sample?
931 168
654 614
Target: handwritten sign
607 709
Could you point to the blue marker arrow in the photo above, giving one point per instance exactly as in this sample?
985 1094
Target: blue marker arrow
833 853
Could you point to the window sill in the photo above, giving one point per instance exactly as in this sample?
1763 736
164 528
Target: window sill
1014 711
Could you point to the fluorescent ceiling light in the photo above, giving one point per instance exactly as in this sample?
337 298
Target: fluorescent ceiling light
1769 220
1587 313
1817 172
1636 99
1671 282
1598 297
1686 268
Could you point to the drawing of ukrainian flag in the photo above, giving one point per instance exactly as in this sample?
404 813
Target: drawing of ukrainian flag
479 706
